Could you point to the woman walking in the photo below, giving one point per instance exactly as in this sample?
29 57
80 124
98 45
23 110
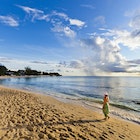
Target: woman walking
106 106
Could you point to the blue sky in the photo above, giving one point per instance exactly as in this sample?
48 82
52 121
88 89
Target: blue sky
72 37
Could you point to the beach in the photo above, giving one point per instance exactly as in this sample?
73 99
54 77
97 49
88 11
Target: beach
29 116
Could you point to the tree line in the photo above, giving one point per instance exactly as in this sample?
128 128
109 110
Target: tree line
28 71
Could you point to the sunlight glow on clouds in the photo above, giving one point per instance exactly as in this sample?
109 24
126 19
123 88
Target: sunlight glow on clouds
124 37
106 55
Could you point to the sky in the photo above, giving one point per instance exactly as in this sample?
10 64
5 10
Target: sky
71 37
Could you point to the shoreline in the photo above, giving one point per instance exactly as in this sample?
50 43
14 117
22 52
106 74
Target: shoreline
117 112
97 107
93 105
27 115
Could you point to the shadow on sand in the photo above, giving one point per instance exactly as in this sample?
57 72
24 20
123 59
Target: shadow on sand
78 122
47 124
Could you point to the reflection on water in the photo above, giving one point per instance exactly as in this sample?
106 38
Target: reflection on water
122 90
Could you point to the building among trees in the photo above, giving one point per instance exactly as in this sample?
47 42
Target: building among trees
28 71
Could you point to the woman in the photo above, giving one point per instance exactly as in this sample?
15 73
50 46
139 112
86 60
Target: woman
106 106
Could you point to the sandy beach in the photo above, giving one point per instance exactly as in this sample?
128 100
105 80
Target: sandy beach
29 116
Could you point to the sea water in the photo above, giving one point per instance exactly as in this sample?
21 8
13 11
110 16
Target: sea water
124 92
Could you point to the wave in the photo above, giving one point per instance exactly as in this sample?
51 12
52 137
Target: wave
124 107
117 110
136 102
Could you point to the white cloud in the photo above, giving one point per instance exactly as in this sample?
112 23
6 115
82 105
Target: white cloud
30 10
135 18
64 31
61 15
34 13
69 33
130 39
76 22
8 20
61 23
106 56
124 37
102 51
103 56
105 52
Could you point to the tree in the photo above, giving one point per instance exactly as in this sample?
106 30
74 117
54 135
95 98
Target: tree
28 71
3 70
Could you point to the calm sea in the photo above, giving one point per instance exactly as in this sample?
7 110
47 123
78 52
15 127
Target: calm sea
124 92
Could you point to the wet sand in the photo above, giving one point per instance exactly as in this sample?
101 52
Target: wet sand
29 116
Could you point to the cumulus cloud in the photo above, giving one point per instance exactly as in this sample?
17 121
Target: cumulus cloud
76 22
131 38
124 37
102 51
105 51
105 55
9 20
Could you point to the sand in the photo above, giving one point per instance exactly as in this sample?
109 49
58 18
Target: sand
28 116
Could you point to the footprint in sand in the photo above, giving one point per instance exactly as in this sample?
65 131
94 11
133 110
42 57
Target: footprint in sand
122 136
111 132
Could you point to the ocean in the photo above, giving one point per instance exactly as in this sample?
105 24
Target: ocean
124 92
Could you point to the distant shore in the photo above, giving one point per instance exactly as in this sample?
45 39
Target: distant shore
26 115
24 76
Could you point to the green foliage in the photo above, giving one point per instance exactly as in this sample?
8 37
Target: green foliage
27 71
3 70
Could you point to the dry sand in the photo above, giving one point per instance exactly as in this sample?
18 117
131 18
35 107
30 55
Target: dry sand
28 116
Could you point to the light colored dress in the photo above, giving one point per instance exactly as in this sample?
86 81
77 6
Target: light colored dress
106 106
